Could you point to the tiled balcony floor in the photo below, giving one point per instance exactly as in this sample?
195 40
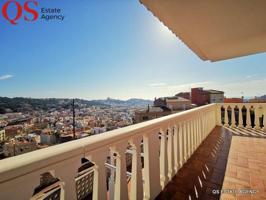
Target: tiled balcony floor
246 169
207 171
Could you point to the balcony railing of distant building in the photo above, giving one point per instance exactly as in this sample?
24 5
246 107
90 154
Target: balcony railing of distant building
134 162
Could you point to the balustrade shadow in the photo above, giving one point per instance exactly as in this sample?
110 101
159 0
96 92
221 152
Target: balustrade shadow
202 175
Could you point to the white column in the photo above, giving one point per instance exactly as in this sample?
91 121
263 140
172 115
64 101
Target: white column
191 130
181 145
67 174
198 131
257 118
191 139
226 122
218 115
233 118
176 149
136 186
201 128
240 117
152 185
111 180
163 159
98 157
121 191
264 118
170 151
184 141
204 126
248 119
195 135
188 139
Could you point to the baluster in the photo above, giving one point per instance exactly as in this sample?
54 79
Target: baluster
201 128
152 185
185 141
197 131
67 174
98 157
121 191
248 117
218 115
240 117
163 159
205 125
181 145
136 187
188 139
195 134
226 122
264 118
170 153
257 118
176 146
191 138
111 181
233 118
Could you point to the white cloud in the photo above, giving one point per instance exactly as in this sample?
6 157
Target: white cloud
5 77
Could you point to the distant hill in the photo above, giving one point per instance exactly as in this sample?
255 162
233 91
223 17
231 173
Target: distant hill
263 97
20 104
129 102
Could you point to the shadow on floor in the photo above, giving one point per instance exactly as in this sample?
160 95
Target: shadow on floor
202 175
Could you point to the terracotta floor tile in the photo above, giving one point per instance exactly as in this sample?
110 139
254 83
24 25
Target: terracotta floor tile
234 162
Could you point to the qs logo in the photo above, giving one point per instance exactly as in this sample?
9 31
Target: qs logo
25 10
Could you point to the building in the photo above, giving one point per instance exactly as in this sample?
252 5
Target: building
216 96
233 100
199 96
257 100
178 103
151 113
202 97
185 95
19 145
98 130
173 103
48 139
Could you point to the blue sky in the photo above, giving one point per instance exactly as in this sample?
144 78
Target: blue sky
112 48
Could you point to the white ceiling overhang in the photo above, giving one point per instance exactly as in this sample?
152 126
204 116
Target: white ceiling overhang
215 29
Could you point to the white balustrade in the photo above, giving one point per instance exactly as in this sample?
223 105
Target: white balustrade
168 142
258 110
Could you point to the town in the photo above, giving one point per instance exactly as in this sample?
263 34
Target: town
61 120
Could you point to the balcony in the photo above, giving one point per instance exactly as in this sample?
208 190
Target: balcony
188 155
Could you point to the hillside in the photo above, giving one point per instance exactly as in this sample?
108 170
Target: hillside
19 104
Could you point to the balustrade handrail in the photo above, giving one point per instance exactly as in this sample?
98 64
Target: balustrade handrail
17 166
